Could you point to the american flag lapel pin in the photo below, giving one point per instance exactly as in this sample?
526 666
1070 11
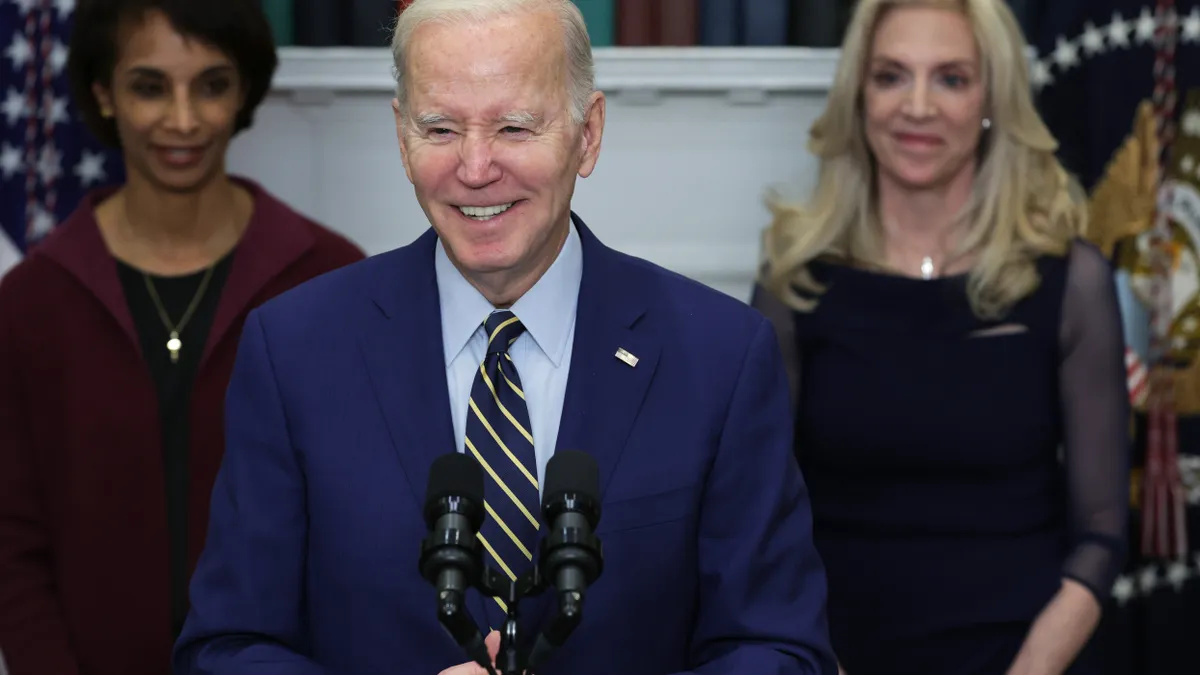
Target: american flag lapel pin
629 359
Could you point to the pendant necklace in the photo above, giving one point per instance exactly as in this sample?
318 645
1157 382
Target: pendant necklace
174 343
927 268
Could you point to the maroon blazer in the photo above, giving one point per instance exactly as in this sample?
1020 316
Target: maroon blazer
84 586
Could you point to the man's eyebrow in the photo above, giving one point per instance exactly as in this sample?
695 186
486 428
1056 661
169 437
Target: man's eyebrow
430 119
521 117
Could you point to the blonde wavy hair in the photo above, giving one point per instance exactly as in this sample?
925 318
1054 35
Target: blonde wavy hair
1022 205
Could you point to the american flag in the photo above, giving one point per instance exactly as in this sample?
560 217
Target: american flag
1136 378
48 159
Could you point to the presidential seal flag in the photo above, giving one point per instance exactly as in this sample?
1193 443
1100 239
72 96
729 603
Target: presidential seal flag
48 160
1095 63
1118 82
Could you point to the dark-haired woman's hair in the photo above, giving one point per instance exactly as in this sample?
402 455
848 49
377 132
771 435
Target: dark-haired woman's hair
238 28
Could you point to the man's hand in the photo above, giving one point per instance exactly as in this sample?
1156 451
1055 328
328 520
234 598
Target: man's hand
471 668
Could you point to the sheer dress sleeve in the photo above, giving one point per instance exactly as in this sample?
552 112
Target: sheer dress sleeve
1096 418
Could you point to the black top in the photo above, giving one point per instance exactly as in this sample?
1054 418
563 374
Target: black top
959 468
174 384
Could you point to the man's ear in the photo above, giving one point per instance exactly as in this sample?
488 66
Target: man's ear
593 133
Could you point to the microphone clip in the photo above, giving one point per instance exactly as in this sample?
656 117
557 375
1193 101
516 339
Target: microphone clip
511 659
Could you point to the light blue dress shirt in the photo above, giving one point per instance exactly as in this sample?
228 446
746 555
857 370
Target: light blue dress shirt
542 354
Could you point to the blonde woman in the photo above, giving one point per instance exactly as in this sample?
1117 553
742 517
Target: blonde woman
957 357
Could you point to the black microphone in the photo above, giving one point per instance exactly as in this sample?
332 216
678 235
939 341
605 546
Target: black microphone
571 557
451 556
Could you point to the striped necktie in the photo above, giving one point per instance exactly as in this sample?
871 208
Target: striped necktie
499 436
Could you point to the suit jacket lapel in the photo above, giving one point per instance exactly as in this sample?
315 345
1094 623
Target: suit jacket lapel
604 392
402 347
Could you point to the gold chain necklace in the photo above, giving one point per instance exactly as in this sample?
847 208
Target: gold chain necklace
174 343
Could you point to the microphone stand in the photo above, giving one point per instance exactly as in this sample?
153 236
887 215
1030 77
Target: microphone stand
456 564
512 660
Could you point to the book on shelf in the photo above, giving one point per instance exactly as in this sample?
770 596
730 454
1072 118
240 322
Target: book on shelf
637 23
279 15
600 17
679 23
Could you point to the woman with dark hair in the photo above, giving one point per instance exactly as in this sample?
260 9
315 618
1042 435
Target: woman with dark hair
120 332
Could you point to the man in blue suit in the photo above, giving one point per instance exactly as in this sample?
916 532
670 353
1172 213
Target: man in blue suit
506 331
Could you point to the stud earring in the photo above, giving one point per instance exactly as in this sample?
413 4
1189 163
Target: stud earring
987 123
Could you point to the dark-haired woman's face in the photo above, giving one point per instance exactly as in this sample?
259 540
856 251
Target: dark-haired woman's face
175 101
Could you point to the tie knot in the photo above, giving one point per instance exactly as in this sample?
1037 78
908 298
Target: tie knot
502 328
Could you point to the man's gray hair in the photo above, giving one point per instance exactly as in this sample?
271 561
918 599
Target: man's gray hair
581 79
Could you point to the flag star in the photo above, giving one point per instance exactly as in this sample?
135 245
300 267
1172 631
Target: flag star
26 6
1118 32
65 8
58 111
1040 74
1190 30
1093 40
1066 54
15 106
58 57
1189 470
41 223
90 168
49 164
1191 123
1146 25
10 160
19 51
1177 575
1123 590
1148 579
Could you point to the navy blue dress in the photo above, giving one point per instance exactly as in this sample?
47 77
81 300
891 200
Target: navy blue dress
959 469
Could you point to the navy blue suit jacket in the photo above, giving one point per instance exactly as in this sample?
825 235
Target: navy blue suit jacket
338 405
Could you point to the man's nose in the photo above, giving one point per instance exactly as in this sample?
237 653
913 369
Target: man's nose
476 166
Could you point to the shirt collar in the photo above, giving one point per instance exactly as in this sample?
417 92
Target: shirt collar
547 310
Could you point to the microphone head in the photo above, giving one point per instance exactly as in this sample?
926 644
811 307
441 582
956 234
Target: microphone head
454 478
574 476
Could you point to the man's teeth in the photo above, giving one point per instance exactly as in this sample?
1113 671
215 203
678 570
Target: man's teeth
484 212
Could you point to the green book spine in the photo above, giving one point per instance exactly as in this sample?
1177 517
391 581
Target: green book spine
600 17
279 13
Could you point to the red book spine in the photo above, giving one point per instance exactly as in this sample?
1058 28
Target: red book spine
637 23
679 25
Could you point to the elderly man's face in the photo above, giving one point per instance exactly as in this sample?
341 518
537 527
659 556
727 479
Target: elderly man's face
491 147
